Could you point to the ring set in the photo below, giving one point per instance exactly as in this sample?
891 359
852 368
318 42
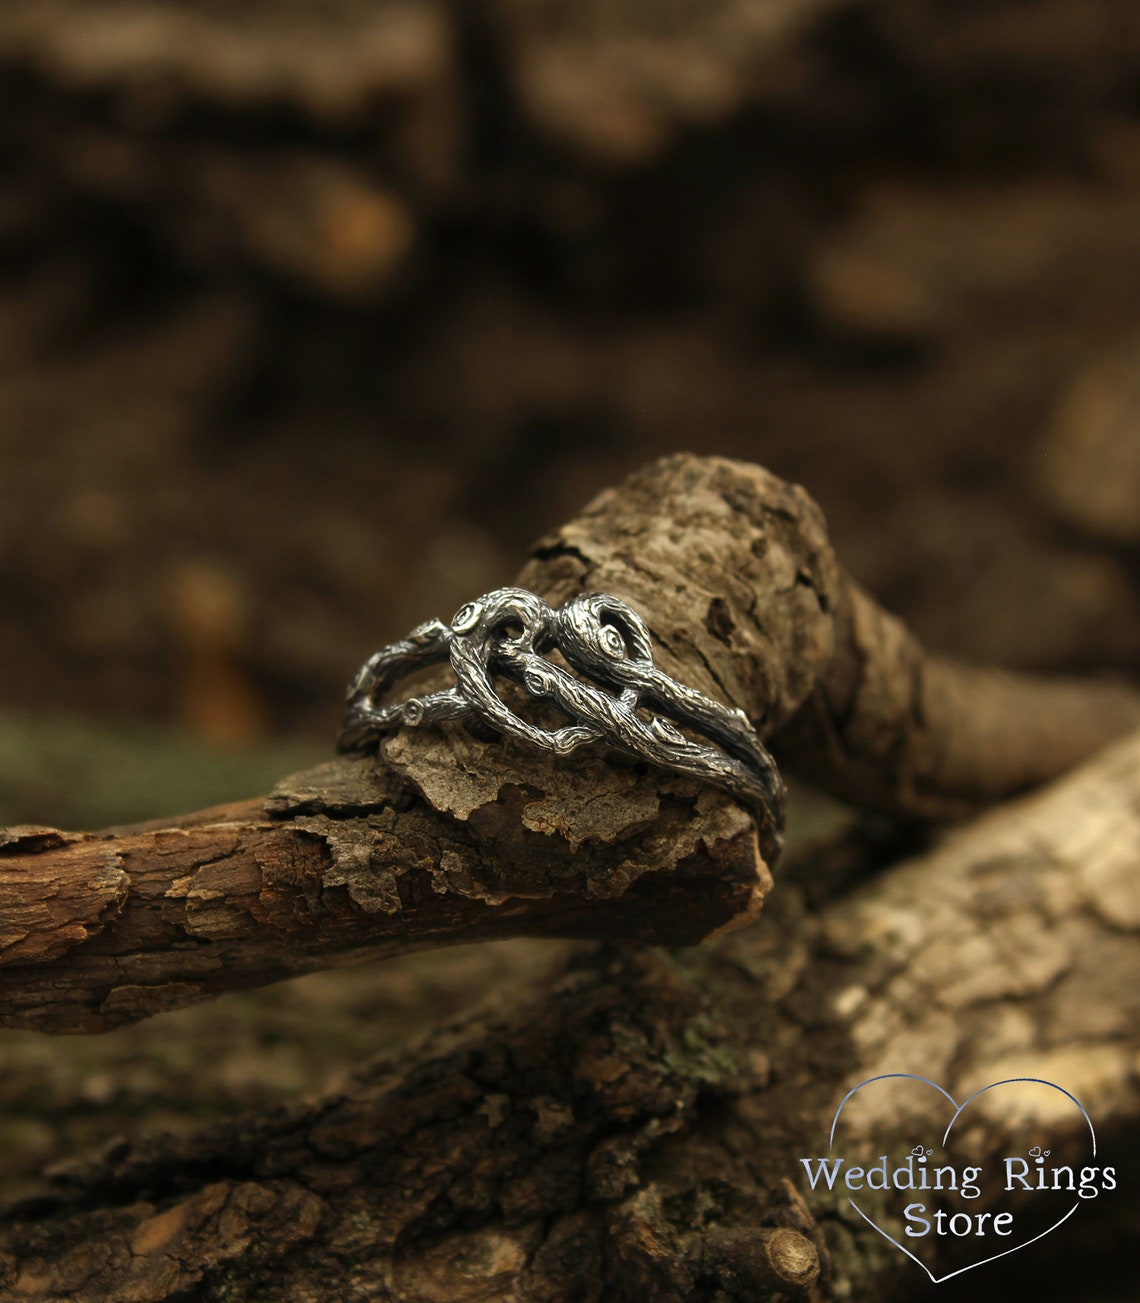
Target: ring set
615 695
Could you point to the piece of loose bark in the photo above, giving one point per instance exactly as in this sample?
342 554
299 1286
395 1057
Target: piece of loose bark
446 837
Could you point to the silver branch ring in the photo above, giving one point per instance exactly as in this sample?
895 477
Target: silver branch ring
616 695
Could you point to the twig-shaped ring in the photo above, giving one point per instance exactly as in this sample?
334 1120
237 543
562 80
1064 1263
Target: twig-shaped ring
618 694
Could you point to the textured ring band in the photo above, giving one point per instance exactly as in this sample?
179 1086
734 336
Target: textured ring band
617 695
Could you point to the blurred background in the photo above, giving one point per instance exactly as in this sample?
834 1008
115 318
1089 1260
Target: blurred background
313 315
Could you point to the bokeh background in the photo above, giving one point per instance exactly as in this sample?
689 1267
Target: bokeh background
313 313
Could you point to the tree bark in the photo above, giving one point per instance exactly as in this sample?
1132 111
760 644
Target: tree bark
632 1127
449 838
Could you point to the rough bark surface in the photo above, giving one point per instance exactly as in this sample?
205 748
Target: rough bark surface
733 572
632 1127
448 838
345 866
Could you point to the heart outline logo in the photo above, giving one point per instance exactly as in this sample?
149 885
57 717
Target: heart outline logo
958 1109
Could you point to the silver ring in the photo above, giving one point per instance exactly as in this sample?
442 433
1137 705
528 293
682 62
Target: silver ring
618 695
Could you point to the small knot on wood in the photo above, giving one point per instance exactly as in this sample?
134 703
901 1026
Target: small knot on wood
743 1261
793 1257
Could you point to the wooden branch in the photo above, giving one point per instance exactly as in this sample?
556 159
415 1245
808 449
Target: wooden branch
99 930
446 838
632 1128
